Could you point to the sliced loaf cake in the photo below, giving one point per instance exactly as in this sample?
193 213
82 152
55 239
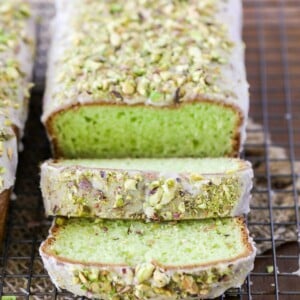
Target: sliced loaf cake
16 61
156 189
134 260
140 79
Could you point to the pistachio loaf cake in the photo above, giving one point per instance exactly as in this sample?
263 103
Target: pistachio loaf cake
16 61
134 260
155 189
139 78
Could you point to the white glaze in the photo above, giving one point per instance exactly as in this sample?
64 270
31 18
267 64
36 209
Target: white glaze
25 57
55 187
9 157
16 114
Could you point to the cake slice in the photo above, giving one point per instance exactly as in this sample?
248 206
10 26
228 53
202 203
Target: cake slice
139 79
8 165
16 62
134 260
155 189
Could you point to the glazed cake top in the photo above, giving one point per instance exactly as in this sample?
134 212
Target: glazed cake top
153 52
8 154
16 56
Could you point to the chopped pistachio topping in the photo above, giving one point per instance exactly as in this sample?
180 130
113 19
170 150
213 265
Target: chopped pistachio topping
119 202
144 272
4 135
122 194
144 51
14 16
152 281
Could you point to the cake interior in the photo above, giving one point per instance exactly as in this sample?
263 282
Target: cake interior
178 165
134 242
197 129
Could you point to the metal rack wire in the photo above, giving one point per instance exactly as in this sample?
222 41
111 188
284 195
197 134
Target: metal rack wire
272 36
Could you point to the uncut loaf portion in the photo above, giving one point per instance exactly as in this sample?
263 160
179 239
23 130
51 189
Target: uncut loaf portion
141 79
134 260
17 45
155 189
16 61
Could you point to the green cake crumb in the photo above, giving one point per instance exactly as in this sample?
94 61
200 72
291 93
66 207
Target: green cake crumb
139 131
130 241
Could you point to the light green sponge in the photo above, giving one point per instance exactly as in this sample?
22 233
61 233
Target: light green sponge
199 130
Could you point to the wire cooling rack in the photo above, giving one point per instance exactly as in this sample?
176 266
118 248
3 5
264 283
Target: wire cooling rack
272 35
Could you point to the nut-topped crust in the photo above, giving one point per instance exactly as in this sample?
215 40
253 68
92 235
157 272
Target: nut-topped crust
16 59
148 52
76 190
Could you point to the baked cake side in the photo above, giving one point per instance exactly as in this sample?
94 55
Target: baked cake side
153 189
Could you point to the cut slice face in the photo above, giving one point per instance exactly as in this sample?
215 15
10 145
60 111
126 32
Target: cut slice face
155 189
212 255
107 131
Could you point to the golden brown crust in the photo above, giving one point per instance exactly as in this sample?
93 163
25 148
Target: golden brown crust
236 140
16 131
244 232
4 203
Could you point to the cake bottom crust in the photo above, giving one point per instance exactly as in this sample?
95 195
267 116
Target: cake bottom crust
4 203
